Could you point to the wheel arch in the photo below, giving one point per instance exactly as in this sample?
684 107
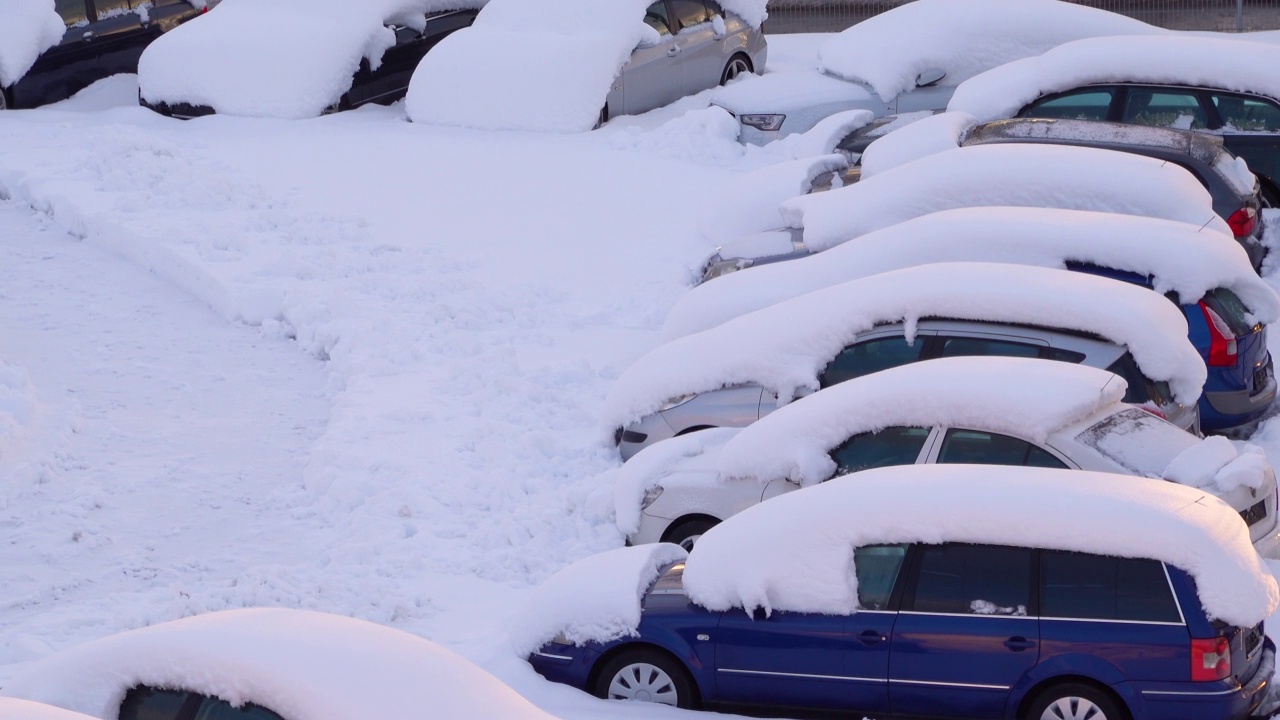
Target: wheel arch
1122 699
688 518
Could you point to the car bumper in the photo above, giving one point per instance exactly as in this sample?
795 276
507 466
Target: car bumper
567 664
1190 701
1238 407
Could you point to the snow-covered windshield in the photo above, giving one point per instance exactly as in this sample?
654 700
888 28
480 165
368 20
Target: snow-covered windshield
1137 441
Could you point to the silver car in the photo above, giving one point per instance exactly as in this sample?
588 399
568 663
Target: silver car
698 46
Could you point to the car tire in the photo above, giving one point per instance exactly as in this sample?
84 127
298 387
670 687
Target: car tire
685 533
737 65
1075 701
4 100
648 675
604 117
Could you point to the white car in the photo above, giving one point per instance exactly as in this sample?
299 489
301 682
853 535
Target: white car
996 411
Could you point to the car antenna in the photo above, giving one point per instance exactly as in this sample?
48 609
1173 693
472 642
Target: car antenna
1206 222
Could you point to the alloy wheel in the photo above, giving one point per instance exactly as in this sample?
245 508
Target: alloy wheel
1073 708
644 682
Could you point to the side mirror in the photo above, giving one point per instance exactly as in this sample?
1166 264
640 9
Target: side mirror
930 77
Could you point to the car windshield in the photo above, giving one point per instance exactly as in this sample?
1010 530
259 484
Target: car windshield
1137 441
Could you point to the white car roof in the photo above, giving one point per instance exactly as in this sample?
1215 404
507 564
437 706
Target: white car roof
1186 259
785 346
794 552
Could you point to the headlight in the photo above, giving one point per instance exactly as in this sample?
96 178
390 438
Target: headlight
650 496
762 122
676 402
724 267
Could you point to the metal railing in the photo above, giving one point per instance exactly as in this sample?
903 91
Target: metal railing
790 16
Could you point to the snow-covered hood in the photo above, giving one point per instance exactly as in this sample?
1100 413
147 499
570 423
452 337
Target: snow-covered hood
789 90
890 50
749 203
30 27
1178 257
304 665
750 560
1228 64
276 58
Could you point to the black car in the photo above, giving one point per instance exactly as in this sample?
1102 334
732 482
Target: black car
103 38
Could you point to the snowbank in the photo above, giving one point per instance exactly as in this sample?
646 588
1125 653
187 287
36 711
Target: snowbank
1231 64
1011 396
544 66
785 346
276 58
1178 257
795 553
595 599
749 203
889 50
1020 175
920 139
30 27
301 664
11 709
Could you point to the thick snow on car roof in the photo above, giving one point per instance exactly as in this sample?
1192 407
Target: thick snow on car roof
1060 176
795 552
1227 64
13 709
890 50
276 58
784 347
536 64
30 27
303 665
1178 257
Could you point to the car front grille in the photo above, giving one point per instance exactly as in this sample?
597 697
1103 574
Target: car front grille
1255 514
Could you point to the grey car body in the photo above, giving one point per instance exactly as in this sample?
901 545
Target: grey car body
883 347
699 46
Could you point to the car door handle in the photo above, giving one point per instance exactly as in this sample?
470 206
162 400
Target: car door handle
673 51
1018 644
870 637
88 35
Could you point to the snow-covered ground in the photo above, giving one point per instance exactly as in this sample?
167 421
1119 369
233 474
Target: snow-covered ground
349 364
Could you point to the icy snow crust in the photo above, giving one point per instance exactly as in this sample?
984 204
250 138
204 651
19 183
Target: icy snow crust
30 27
888 51
12 709
785 346
795 552
304 665
1178 257
1029 176
1241 66
237 60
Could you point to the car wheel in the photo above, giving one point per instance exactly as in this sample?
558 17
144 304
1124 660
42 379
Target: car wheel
647 675
737 65
604 117
685 533
4 103
1075 701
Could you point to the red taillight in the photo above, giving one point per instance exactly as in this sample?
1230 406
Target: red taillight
1243 221
1210 659
1222 342
1154 411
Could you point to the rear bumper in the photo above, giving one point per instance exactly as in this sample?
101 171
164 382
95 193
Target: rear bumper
1190 701
1238 407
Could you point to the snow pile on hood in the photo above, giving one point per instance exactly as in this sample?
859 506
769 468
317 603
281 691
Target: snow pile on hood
920 139
1012 396
1178 257
787 90
276 58
30 27
301 664
795 552
595 599
824 137
749 203
962 39
678 460
1059 176
786 346
11 709
1228 64
542 65
1217 464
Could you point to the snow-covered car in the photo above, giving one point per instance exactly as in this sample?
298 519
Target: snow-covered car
988 410
50 51
266 664
916 592
295 58
911 58
735 373
570 65
1213 85
1053 176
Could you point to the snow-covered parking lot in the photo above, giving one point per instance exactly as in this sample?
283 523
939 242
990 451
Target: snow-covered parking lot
350 364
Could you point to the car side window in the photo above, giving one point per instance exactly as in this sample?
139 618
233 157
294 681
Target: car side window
888 447
1096 587
111 8
690 12
216 709
714 9
146 703
966 346
1140 388
73 12
1089 104
656 18
1165 108
871 356
976 447
877 567
973 580
1247 114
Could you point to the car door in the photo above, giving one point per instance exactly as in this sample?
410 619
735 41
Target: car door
966 632
1157 106
651 78
1250 128
701 47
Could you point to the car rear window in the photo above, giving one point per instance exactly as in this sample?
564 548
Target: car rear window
1137 441
1230 308
1081 586
1141 389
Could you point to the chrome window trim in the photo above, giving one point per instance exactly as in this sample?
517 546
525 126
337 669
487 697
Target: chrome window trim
802 675
1176 602
1237 689
1125 622
970 615
949 684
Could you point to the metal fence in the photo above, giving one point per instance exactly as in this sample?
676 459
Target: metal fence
790 16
